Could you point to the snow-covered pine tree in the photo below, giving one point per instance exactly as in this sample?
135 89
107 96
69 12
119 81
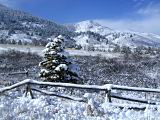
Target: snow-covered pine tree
56 67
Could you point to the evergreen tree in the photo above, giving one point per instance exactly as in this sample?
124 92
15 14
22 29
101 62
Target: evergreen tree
13 41
56 66
116 49
19 42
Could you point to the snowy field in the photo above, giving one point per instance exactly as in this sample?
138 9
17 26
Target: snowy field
72 52
14 106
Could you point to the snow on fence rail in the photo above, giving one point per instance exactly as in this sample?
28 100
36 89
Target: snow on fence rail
107 88
118 87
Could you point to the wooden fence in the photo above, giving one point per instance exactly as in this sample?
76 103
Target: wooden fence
15 73
106 88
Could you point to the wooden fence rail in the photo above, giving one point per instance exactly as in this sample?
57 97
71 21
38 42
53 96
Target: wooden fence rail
107 88
137 89
15 73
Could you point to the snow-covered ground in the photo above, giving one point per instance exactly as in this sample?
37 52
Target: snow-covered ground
14 106
23 48
17 107
93 53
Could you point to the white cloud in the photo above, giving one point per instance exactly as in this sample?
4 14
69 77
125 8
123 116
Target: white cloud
7 2
12 3
147 25
151 9
149 22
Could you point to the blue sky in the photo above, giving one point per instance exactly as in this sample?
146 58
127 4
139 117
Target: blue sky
68 11
136 15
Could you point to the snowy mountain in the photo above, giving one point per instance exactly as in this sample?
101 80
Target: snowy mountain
17 26
134 39
131 39
92 26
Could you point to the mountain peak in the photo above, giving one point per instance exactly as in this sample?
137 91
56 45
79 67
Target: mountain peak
93 26
90 22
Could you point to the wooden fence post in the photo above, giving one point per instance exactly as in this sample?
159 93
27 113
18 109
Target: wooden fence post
28 89
26 92
109 96
27 73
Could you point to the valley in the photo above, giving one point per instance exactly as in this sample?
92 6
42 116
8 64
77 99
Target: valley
87 53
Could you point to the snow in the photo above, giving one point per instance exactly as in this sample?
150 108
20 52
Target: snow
134 99
51 107
122 38
108 86
61 67
3 32
44 71
40 51
23 37
61 37
49 44
81 40
93 53
92 26
137 39
135 89
56 40
59 95
31 24
46 107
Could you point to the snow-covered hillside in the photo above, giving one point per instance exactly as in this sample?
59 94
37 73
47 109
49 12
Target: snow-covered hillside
134 39
18 27
131 39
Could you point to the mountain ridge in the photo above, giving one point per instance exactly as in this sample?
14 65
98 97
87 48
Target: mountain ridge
17 27
122 38
16 24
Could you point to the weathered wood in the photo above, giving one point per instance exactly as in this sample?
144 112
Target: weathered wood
130 107
133 108
22 72
138 89
2 90
58 95
109 96
78 86
69 85
106 88
133 99
30 91
26 92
